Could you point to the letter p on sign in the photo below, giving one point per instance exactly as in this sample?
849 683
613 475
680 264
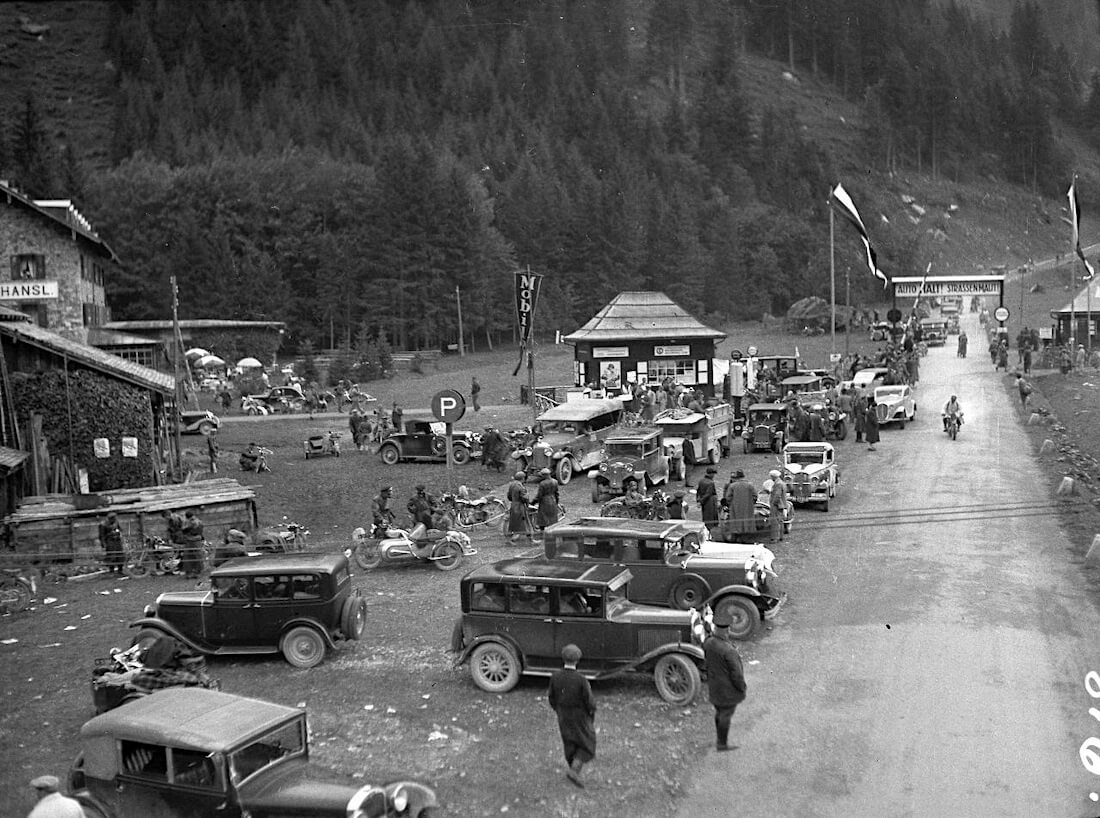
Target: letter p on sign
448 406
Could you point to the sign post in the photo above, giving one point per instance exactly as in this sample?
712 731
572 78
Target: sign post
449 406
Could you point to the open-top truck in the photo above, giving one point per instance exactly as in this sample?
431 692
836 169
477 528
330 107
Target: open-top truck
696 437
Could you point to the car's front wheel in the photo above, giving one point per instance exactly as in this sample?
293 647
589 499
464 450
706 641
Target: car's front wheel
390 455
677 679
743 613
494 667
460 455
565 470
303 647
353 618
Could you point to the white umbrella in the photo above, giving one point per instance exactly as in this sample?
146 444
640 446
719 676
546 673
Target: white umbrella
195 352
249 363
210 360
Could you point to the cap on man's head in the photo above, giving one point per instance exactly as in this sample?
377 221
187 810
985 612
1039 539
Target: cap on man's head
49 783
111 515
774 474
722 620
545 472
738 473
387 490
571 654
520 475
712 470
420 487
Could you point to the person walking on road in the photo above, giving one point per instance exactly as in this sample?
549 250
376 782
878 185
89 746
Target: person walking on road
859 415
707 496
871 422
725 678
1024 388
740 498
570 696
519 523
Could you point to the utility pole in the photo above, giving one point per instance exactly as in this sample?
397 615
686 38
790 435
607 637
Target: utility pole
176 350
461 342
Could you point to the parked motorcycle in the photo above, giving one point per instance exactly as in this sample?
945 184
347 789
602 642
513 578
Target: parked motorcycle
285 538
251 406
443 549
124 676
258 464
317 445
653 507
18 588
466 512
155 556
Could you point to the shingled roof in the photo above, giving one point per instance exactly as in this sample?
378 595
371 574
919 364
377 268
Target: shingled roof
1082 303
636 316
90 357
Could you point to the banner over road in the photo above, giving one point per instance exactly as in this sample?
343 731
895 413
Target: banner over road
939 286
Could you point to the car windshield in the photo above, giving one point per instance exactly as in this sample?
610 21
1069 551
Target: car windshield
889 391
286 741
765 418
550 427
803 458
624 449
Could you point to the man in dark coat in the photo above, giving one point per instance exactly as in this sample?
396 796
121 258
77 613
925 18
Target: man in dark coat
740 499
777 503
519 523
707 496
872 424
859 415
382 514
110 537
420 507
547 499
815 428
725 678
571 698
191 557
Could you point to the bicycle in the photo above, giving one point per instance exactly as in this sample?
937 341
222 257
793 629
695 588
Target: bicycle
544 403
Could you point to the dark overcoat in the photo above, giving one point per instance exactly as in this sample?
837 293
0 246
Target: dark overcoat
872 425
725 675
547 499
517 508
707 495
570 696
741 499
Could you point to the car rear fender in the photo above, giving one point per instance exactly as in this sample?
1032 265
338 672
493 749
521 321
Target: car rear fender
646 662
305 621
157 624
499 638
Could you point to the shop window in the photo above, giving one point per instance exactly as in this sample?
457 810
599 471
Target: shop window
27 267
679 369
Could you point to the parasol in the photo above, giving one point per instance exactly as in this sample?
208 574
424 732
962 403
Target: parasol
249 363
195 352
209 360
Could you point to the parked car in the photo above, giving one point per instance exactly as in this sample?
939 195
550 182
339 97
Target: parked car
518 614
765 427
868 379
198 422
195 753
631 453
953 324
668 572
426 441
296 604
881 331
895 404
696 437
569 437
810 472
281 399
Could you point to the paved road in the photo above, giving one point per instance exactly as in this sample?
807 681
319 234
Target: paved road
931 663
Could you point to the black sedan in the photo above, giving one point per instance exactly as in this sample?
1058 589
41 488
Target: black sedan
424 440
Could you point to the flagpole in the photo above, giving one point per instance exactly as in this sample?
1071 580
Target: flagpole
832 285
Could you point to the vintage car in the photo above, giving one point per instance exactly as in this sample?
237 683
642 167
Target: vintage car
198 422
895 404
953 325
630 453
194 753
668 572
426 441
933 332
834 420
810 472
277 399
868 379
296 604
518 614
765 427
696 437
881 331
570 436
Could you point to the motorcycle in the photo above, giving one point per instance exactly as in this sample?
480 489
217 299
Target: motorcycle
466 512
123 677
952 423
17 590
443 549
155 556
328 443
653 507
251 406
258 464
285 538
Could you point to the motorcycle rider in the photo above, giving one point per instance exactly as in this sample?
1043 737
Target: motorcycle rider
252 459
633 499
950 408
420 507
382 513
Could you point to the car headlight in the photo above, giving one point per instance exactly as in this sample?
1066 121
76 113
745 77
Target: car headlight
150 610
400 799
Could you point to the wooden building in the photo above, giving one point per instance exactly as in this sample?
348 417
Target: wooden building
1077 319
644 337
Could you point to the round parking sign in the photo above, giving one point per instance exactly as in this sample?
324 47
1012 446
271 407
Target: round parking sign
1001 314
448 405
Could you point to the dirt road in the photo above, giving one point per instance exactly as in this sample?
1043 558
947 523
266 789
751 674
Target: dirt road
932 658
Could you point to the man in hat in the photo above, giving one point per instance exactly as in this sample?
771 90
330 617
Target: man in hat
777 503
707 496
212 450
382 514
740 498
725 678
191 557
571 698
519 524
546 497
110 537
51 803
420 507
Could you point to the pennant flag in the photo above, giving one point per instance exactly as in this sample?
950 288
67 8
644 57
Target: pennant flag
847 209
1075 218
